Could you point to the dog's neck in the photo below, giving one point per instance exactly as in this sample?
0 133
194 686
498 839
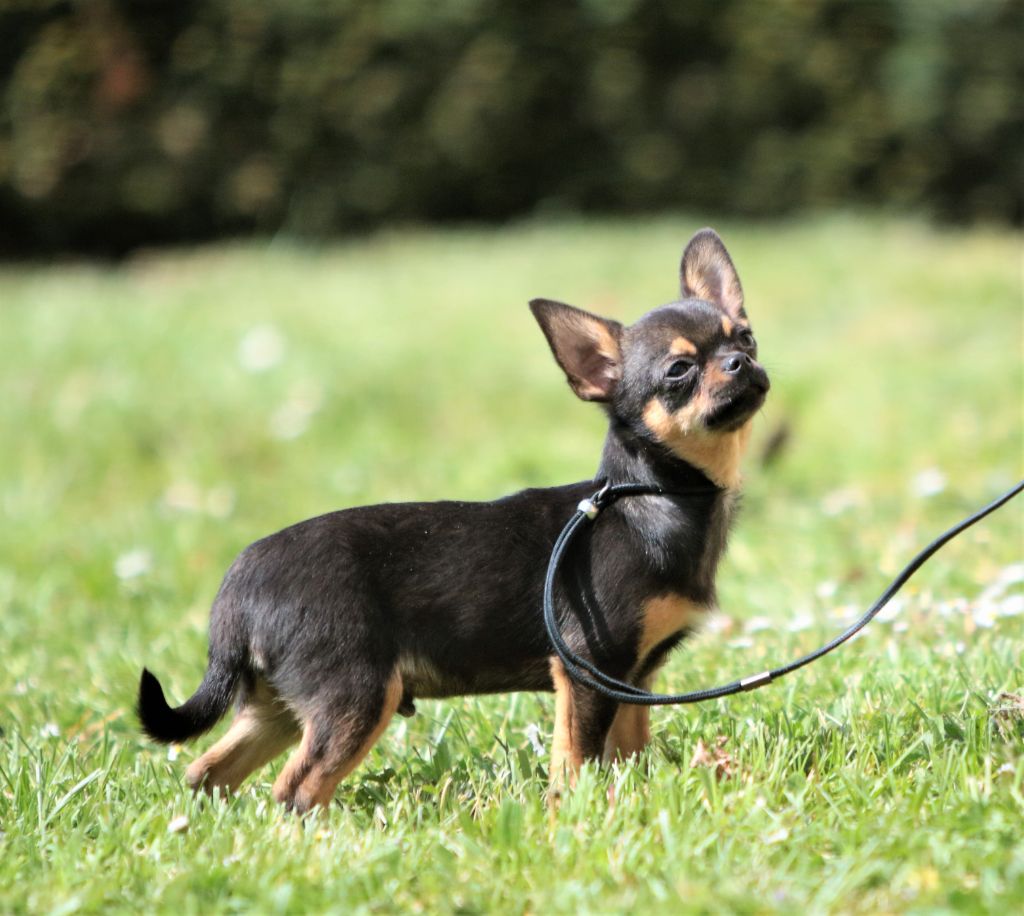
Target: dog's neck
628 458
682 534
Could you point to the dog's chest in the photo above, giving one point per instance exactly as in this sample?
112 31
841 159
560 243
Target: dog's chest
682 544
664 616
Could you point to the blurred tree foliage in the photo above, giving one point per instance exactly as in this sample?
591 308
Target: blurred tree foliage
136 122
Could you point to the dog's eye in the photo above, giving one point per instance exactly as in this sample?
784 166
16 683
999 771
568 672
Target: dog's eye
746 338
679 368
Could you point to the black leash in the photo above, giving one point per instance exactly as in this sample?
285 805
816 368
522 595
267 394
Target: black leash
587 674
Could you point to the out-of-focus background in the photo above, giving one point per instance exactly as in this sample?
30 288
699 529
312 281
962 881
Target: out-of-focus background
264 259
124 123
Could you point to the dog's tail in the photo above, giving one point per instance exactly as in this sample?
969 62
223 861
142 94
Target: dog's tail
199 713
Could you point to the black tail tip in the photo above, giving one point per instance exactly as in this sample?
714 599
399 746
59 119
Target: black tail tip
152 709
149 690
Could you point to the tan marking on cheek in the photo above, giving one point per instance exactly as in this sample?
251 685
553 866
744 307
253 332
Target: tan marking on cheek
683 346
727 325
717 454
658 420
714 376
667 426
665 616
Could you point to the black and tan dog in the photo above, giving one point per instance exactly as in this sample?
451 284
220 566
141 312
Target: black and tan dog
323 631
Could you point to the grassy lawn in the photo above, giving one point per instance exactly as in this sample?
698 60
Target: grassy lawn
158 416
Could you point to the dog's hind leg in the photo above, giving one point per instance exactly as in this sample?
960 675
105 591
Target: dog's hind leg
339 732
261 730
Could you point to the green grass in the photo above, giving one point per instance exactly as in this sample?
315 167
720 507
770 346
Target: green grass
889 777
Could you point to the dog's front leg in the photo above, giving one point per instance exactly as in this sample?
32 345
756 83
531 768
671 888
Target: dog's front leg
630 731
582 720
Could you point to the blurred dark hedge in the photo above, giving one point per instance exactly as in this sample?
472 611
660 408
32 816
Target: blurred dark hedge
139 122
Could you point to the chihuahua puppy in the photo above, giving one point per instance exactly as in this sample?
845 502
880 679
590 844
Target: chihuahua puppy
322 632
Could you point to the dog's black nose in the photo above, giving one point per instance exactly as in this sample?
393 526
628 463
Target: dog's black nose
740 365
735 362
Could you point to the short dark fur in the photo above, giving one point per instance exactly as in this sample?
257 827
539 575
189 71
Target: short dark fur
321 626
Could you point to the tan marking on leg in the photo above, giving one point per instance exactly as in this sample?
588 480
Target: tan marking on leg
663 616
306 783
717 454
320 784
630 732
631 728
683 346
295 769
261 730
727 325
566 759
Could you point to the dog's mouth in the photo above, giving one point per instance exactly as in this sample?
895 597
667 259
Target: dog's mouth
735 409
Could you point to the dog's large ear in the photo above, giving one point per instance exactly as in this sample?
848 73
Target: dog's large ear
707 273
587 348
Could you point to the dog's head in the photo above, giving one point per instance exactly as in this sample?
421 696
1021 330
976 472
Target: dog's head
685 377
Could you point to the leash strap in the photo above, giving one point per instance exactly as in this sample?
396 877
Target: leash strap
589 675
